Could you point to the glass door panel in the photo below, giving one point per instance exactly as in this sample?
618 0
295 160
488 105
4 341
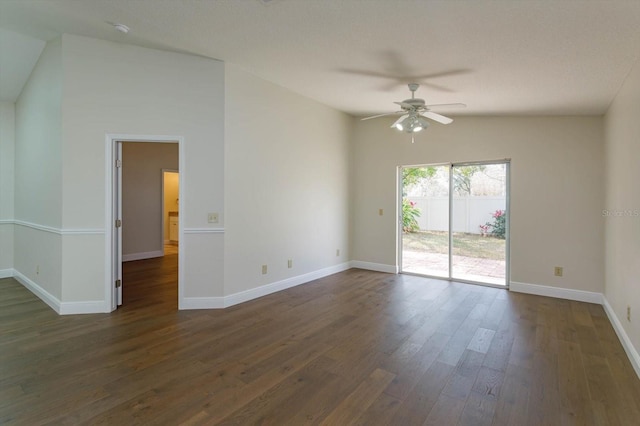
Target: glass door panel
478 239
454 221
425 220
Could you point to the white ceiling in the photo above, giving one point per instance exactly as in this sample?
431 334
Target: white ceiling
560 57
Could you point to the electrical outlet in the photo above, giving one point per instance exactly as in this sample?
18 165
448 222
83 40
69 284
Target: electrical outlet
557 271
264 269
290 263
337 252
212 217
629 313
380 212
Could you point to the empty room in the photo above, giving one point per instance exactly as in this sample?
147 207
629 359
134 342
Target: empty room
289 212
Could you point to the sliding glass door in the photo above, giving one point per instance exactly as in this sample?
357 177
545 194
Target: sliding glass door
425 220
454 221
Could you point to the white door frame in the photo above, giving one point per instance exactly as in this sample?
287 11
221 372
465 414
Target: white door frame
399 231
111 144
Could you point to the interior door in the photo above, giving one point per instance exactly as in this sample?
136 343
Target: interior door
118 224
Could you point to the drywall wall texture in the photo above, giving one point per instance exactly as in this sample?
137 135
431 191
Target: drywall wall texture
112 88
38 174
556 189
622 206
142 201
7 144
286 183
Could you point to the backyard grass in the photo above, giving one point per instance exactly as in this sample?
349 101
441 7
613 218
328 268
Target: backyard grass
469 245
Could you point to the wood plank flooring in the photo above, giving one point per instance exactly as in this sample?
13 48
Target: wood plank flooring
357 347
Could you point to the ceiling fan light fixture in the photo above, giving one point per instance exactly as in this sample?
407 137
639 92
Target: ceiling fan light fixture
407 124
398 124
412 124
424 123
416 114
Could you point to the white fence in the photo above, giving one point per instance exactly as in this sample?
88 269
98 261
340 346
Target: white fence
468 212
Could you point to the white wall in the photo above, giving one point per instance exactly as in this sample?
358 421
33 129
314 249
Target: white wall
7 144
294 174
622 244
286 183
556 189
38 174
80 90
142 201
112 88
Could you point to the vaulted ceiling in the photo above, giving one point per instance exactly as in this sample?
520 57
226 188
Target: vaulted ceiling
556 57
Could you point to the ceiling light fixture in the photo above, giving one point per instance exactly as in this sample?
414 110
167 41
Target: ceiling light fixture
411 123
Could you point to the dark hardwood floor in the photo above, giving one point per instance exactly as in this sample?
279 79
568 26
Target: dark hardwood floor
357 347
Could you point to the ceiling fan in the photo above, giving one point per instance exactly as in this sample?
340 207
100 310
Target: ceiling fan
416 112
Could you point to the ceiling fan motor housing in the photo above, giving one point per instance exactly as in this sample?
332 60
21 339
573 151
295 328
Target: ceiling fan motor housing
414 102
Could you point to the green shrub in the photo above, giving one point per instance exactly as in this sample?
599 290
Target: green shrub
499 224
410 213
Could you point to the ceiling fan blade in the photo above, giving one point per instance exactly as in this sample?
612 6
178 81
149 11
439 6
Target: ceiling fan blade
437 117
365 72
399 120
381 115
437 87
440 74
458 105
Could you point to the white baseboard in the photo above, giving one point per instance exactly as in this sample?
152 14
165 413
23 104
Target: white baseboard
378 267
201 303
6 273
84 307
557 292
264 290
44 295
254 293
631 351
142 255
62 308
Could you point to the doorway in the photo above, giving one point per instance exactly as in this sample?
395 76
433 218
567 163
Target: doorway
454 221
136 219
170 211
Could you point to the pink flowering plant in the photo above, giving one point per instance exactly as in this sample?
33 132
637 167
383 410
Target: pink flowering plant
410 215
485 229
499 225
